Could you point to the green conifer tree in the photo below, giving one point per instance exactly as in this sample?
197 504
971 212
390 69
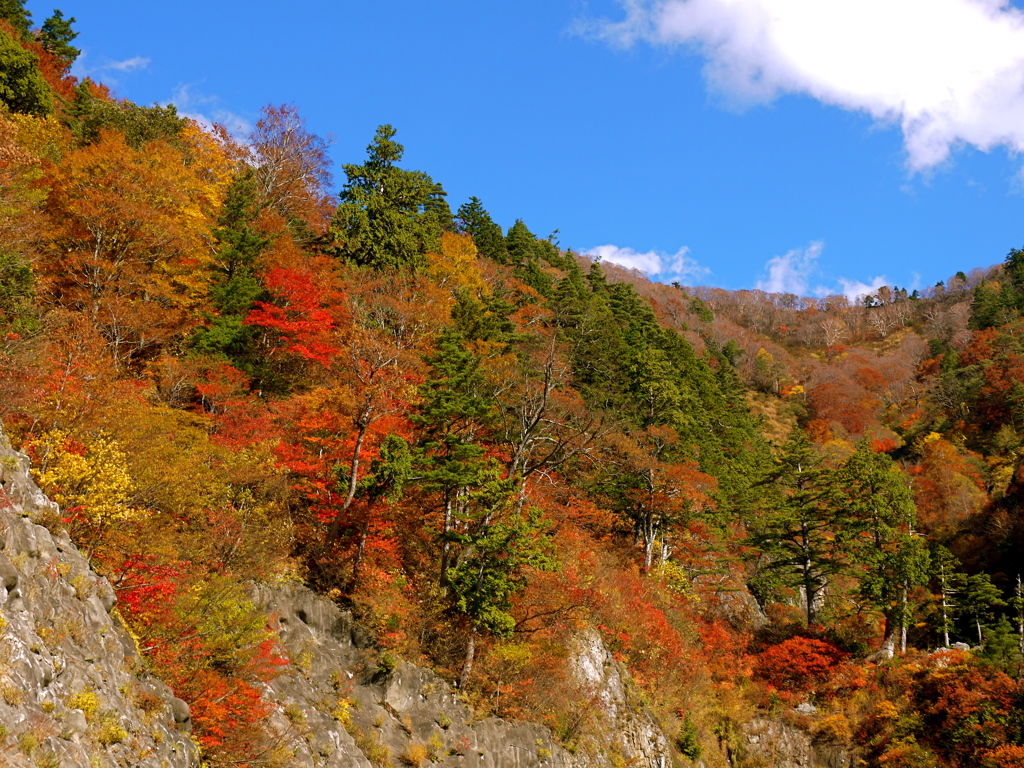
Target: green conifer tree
56 35
453 415
19 17
236 285
889 557
487 236
388 217
797 527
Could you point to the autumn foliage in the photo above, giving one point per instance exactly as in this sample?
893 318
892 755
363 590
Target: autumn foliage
223 379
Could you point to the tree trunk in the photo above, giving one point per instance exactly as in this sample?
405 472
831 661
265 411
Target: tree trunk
648 548
888 649
903 619
446 544
364 532
1020 625
467 667
353 483
945 610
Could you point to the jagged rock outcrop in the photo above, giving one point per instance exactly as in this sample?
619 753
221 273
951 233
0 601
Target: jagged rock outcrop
770 741
73 689
346 705
620 731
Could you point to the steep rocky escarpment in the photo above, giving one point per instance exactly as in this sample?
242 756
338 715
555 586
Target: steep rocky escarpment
346 704
620 729
73 689
774 742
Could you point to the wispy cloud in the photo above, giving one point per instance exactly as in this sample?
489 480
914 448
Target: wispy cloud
948 72
855 289
128 65
678 266
791 273
206 110
106 68
798 272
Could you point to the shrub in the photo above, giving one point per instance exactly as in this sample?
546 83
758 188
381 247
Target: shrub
799 664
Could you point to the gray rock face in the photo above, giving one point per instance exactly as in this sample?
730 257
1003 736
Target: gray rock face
770 741
620 728
74 692
72 688
346 705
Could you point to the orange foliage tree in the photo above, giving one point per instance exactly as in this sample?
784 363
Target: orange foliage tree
129 237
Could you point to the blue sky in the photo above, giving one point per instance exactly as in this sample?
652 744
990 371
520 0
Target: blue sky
867 146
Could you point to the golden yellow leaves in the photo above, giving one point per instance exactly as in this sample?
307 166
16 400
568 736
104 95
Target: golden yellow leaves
455 267
131 234
90 479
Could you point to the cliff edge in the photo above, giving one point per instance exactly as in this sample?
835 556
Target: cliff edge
73 689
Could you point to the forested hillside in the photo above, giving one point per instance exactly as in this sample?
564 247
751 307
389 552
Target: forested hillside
227 370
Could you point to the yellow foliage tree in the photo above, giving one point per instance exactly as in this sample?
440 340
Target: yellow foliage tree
455 267
131 235
90 478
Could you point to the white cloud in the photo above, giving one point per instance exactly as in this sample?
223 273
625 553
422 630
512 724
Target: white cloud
677 266
791 273
855 289
948 72
127 65
205 109
794 272
107 69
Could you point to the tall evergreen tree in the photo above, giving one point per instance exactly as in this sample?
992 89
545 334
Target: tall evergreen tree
521 244
236 285
388 217
891 558
56 36
797 529
487 236
451 460
19 17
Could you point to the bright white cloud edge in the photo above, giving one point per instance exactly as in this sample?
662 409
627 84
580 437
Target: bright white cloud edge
793 273
678 266
205 109
948 72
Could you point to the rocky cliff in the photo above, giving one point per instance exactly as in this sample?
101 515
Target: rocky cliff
345 704
75 692
771 741
73 689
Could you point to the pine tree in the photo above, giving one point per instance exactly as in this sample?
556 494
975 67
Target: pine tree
889 556
980 600
487 236
521 244
451 461
498 555
950 582
798 529
19 17
56 36
388 217
236 284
